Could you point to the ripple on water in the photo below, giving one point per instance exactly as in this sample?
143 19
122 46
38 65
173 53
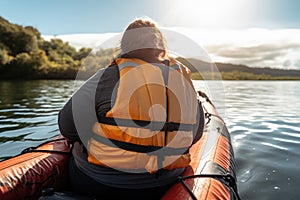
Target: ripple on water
264 127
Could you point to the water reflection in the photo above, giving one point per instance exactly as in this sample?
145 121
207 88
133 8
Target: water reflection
263 118
28 112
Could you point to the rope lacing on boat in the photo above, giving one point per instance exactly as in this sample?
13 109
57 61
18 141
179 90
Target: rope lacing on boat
226 179
35 150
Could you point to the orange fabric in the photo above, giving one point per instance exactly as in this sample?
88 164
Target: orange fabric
214 189
204 188
27 174
221 154
142 96
223 150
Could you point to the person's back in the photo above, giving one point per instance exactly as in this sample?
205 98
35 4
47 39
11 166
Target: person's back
146 120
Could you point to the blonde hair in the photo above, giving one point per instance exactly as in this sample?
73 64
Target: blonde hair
142 36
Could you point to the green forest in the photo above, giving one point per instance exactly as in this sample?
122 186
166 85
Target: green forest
25 54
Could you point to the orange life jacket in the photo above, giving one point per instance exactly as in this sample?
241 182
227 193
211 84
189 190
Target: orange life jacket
150 125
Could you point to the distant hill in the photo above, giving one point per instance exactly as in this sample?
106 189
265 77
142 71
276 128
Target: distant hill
25 54
235 71
226 67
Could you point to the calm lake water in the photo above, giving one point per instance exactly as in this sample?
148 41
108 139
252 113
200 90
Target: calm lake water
262 116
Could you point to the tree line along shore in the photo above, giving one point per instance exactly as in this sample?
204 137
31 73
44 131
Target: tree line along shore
25 54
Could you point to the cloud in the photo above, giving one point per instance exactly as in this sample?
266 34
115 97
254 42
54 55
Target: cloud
287 63
297 63
258 47
276 48
266 50
83 40
265 55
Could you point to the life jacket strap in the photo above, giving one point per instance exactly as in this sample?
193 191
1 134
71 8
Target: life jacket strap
151 125
150 150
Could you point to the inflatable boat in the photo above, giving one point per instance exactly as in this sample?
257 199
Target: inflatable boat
40 171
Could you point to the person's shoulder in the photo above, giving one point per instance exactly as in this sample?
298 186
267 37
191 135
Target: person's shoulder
110 73
112 68
184 68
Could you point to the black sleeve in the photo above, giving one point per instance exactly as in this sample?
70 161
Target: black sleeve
198 129
79 114
106 91
66 122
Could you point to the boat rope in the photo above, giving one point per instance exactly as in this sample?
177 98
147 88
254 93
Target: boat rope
32 150
208 115
35 150
203 95
227 180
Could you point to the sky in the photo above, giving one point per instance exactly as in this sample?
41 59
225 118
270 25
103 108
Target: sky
262 33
